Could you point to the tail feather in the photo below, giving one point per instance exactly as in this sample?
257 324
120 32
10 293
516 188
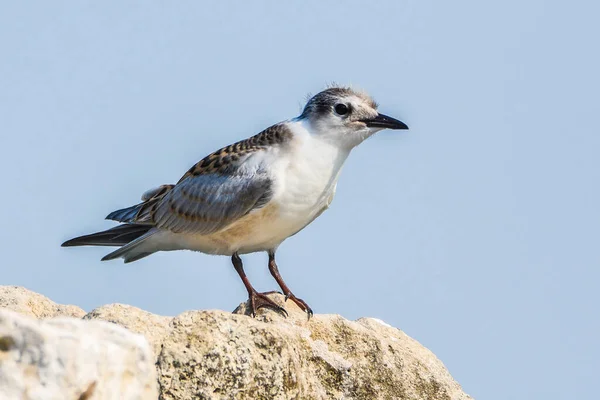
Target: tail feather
141 213
125 214
117 236
133 250
137 256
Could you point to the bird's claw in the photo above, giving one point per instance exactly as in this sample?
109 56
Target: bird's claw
300 303
260 300
272 292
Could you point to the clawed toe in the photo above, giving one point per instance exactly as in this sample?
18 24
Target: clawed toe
301 303
272 292
260 300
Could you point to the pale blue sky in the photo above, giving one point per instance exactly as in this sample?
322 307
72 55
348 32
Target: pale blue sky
476 232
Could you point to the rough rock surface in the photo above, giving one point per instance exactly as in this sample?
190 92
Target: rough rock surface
153 327
67 358
35 305
220 355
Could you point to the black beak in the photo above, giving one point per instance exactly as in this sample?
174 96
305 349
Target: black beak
383 121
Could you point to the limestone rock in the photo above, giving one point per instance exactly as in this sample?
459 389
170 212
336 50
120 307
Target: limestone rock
222 355
29 303
67 358
153 327
218 355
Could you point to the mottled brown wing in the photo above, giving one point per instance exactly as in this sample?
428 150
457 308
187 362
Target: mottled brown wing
215 192
205 204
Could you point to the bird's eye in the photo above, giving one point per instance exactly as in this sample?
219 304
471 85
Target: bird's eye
341 109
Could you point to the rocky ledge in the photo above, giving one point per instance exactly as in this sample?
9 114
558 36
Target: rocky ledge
51 351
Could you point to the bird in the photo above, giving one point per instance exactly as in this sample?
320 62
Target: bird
252 195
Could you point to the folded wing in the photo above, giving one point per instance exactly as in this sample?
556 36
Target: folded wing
205 204
201 203
218 190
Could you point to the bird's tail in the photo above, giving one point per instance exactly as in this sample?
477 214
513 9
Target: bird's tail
129 236
117 236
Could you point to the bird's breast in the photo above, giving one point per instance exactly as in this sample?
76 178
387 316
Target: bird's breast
306 178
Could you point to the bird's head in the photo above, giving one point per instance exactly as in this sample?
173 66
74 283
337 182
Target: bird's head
346 116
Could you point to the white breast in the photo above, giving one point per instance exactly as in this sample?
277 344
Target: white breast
306 175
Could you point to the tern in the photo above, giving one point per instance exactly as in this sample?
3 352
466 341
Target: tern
252 195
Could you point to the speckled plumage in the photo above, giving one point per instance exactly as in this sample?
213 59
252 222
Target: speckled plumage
223 160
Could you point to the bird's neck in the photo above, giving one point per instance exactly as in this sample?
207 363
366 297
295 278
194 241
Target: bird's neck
314 161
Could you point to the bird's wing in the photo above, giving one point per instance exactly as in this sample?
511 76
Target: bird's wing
214 193
208 203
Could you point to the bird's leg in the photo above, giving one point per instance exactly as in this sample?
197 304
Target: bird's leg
257 300
286 291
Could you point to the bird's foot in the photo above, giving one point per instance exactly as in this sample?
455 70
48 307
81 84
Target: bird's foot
260 300
272 292
301 303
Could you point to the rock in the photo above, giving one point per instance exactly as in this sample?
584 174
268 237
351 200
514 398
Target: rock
35 305
221 355
153 327
67 358
215 354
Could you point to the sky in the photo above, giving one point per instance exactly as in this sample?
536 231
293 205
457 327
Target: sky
476 232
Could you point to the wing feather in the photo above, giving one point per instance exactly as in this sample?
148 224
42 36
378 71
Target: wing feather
215 192
205 204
